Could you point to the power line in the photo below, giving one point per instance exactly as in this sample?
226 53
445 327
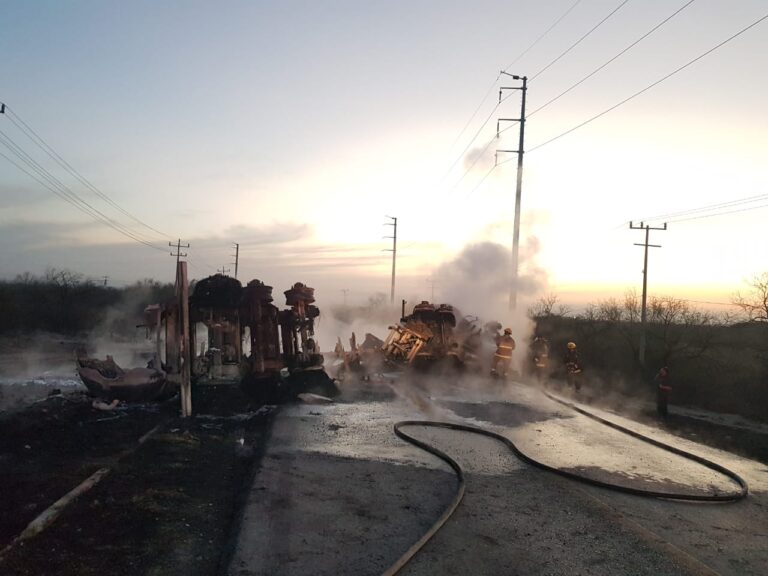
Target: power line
485 97
656 83
572 46
466 148
543 34
710 207
45 147
62 190
710 302
55 186
621 53
720 213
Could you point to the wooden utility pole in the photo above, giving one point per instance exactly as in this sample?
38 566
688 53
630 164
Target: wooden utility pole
519 187
237 256
643 316
394 255
182 331
345 291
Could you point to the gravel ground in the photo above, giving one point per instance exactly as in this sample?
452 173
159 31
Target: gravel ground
338 493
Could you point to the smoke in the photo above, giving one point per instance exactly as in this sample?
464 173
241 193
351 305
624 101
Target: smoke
480 158
341 321
478 279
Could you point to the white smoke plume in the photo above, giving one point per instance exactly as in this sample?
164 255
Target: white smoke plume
478 279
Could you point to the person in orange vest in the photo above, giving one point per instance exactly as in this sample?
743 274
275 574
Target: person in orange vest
502 359
663 389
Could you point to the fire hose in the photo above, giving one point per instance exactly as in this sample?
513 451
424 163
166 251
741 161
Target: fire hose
448 512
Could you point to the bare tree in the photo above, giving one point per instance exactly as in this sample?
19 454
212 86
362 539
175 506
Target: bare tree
754 304
681 330
544 307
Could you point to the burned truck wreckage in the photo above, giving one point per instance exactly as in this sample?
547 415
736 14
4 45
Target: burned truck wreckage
432 338
234 335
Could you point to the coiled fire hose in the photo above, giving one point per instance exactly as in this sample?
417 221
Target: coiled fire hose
448 512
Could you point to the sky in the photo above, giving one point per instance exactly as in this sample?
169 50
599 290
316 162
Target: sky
295 128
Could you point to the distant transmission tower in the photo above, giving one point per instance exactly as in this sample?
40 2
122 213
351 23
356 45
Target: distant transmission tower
394 255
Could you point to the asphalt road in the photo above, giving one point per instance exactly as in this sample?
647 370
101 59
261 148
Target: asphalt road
338 493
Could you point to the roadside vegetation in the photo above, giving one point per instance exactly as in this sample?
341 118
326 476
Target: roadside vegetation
67 303
717 361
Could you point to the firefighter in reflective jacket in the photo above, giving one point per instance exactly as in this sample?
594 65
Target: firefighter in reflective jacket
503 357
573 366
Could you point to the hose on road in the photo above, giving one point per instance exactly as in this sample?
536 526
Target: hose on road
414 549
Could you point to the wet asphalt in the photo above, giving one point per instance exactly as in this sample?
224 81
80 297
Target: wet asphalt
338 493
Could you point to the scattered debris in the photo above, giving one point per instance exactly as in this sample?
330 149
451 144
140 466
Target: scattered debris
99 405
309 398
105 379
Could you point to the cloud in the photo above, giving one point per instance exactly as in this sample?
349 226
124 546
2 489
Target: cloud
278 253
245 235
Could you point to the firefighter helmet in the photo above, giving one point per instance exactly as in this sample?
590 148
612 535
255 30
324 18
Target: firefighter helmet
507 331
571 346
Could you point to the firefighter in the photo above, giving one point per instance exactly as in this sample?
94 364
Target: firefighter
663 390
539 357
573 367
502 359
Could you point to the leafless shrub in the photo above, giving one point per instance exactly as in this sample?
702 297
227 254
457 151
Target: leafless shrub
754 304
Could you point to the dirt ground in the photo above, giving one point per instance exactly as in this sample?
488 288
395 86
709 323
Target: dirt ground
168 507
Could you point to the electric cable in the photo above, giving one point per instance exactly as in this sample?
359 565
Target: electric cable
485 97
572 46
62 192
708 208
49 181
45 147
652 85
701 217
621 53
415 548
543 34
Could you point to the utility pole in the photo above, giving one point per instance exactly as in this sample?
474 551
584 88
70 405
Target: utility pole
223 271
394 254
178 247
105 279
237 256
643 316
345 290
431 282
519 188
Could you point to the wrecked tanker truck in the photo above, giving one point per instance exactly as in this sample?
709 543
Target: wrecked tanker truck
432 337
236 336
